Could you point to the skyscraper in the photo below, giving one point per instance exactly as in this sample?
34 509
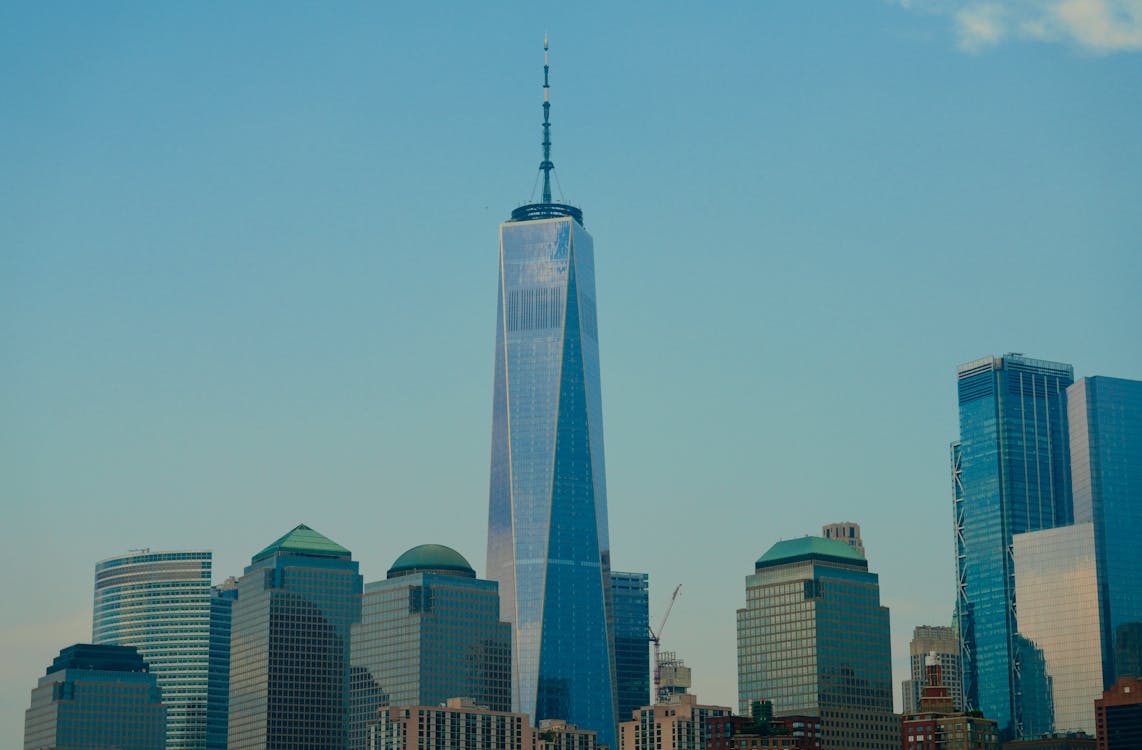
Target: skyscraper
159 602
222 598
629 592
96 696
813 638
547 512
933 644
289 645
1057 592
429 632
1010 474
1105 417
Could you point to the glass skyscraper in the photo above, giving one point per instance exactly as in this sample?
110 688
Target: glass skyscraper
96 696
429 632
160 603
1010 474
1105 416
813 638
631 606
222 598
1057 593
289 645
547 520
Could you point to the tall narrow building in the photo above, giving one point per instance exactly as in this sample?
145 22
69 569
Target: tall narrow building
547 512
631 597
1010 474
160 603
289 645
1105 420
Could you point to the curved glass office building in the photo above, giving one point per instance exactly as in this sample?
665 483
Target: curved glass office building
159 602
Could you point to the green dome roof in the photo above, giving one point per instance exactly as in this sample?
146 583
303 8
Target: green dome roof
810 547
432 558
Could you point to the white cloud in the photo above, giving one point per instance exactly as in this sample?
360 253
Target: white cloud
980 25
1097 26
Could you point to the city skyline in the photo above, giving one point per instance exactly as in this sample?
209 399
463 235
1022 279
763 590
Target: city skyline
219 301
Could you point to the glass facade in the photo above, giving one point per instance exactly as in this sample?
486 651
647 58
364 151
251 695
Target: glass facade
289 646
218 685
160 603
631 606
1105 416
1057 593
426 635
547 521
96 696
1010 474
813 639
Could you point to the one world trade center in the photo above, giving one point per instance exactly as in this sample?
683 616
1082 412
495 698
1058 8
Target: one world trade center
547 512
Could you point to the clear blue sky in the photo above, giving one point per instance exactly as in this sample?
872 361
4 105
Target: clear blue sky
248 258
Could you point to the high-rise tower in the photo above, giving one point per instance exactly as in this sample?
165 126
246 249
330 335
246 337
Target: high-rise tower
547 512
1010 474
1105 419
159 602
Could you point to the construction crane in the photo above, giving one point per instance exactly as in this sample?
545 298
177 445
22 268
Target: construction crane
655 637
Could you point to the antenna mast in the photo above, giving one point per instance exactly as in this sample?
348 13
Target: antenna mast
546 166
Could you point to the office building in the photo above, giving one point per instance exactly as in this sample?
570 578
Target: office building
845 531
289 645
429 632
1010 474
937 725
547 518
679 724
222 598
160 603
1105 418
96 696
631 607
813 638
1057 593
457 724
938 643
1118 715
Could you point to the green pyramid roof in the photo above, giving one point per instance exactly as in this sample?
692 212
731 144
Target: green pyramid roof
434 558
810 547
303 540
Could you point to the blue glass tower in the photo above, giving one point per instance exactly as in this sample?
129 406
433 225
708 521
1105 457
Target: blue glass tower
631 605
1105 416
1010 474
547 519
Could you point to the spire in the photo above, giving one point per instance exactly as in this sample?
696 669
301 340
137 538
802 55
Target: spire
546 166
545 208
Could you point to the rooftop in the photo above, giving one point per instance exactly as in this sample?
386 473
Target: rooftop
102 657
303 540
810 548
431 558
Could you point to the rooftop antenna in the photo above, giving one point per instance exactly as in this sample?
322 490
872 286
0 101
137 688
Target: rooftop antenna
546 166
546 209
